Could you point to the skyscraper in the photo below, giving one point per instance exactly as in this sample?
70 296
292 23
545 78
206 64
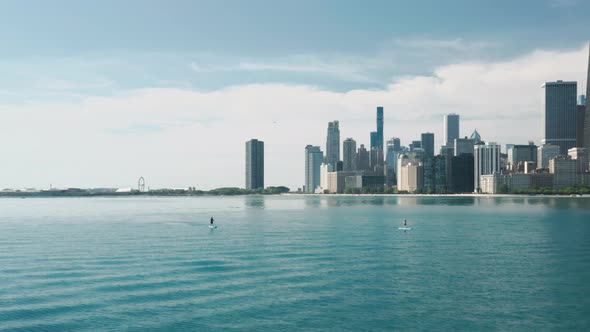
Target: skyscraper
545 153
428 144
463 146
333 144
254 164
486 159
349 154
521 152
560 114
377 136
580 118
587 113
392 152
313 160
362 159
451 130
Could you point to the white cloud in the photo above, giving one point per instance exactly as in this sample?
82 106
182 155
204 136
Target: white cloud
180 137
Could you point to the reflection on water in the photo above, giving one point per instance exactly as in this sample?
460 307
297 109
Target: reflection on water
331 201
256 201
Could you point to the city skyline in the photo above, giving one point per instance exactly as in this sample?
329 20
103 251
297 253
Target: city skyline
175 102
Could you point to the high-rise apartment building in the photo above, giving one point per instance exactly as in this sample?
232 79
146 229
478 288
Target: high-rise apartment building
451 129
333 144
486 159
349 154
427 144
254 164
313 161
560 114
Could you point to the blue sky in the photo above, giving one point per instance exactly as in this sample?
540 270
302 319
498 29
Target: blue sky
62 56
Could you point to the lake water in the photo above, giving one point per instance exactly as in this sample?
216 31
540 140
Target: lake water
294 263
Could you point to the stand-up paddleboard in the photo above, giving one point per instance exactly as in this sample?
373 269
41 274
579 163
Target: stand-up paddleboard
405 228
212 226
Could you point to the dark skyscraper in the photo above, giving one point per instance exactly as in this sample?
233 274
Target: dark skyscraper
313 161
349 154
587 115
254 164
580 118
428 144
362 159
333 144
377 136
560 115
451 130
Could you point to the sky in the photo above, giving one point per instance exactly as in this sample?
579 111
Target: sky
97 94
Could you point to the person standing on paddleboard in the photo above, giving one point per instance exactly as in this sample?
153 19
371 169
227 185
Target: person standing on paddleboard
211 221
405 223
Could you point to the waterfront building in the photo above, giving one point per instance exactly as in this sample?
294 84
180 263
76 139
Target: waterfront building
580 155
440 174
560 114
507 183
324 170
254 164
428 175
313 160
333 144
486 161
461 170
427 144
545 153
349 154
337 181
463 146
362 159
364 181
564 170
451 128
410 174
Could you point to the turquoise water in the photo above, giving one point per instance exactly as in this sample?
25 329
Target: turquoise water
294 263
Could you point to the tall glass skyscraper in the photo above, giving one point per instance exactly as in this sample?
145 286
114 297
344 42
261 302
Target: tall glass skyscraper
392 151
560 114
377 136
427 144
333 144
349 154
313 160
254 164
451 130
586 135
